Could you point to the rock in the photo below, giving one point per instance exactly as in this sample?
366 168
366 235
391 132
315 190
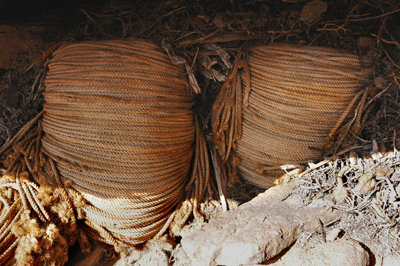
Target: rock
152 253
179 257
256 230
364 42
337 253
312 11
155 256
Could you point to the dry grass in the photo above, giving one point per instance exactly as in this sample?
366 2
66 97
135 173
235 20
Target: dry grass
368 191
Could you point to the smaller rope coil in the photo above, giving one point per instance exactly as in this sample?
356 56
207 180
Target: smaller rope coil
281 105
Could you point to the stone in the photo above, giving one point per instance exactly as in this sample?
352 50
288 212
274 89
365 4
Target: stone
257 230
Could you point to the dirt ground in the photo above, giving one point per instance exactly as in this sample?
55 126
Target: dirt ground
198 31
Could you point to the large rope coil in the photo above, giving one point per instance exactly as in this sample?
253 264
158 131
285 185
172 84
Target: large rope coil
119 124
281 105
119 140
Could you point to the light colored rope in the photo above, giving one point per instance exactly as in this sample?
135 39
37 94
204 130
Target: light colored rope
10 210
294 100
28 235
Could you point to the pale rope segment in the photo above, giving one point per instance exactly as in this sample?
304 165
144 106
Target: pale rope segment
281 105
28 212
120 126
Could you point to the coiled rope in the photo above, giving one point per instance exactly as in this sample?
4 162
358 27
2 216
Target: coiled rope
120 138
119 124
281 105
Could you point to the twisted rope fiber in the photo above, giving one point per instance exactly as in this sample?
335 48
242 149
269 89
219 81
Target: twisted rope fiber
27 211
10 212
292 99
119 125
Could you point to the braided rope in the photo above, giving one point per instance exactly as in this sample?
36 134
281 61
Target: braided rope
294 99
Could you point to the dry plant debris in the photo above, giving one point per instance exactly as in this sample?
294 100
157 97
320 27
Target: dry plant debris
367 190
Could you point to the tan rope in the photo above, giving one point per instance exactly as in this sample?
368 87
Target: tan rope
119 124
11 210
22 132
115 146
294 99
27 233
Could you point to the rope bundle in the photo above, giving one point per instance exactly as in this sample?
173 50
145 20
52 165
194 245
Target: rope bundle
11 211
288 100
119 124
37 223
117 152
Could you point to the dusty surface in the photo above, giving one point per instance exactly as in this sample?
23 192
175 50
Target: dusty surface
342 252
